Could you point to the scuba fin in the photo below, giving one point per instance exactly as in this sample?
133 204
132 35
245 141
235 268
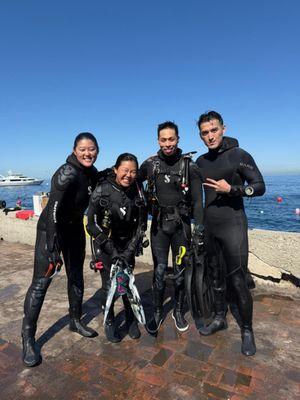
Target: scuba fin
112 290
199 292
203 289
134 298
188 281
123 283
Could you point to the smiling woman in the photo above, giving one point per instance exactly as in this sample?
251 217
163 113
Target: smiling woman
60 230
125 170
117 218
86 149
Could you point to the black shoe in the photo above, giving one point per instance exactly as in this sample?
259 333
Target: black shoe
111 332
31 356
131 321
154 324
218 324
180 322
77 326
133 329
248 343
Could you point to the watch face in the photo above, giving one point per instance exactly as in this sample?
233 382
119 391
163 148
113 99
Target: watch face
249 190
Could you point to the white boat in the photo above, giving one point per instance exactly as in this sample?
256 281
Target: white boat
15 179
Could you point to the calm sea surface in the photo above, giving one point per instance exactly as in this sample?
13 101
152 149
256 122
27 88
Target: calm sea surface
263 212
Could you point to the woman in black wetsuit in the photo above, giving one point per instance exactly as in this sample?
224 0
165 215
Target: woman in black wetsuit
60 229
116 217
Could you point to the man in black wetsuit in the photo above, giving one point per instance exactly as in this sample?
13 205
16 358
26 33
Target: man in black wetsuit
174 195
230 174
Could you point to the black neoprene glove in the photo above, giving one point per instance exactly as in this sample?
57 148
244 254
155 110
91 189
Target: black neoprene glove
103 243
124 257
54 256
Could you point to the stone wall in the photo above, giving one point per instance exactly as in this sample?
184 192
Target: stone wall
273 256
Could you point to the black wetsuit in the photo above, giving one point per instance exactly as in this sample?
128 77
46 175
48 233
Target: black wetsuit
171 215
226 228
60 228
115 213
124 210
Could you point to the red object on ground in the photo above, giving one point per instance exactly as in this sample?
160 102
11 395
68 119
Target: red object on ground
279 199
25 214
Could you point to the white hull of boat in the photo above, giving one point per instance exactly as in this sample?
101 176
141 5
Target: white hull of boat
21 183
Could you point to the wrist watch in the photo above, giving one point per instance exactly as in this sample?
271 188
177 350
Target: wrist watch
249 190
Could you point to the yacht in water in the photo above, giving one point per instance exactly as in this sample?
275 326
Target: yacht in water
14 179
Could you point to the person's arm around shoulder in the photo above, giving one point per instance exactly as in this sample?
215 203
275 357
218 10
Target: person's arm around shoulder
95 217
94 213
143 172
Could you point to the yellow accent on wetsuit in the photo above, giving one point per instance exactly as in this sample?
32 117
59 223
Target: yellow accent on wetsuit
180 255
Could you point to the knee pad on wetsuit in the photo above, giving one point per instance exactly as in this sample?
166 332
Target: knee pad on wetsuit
37 291
159 279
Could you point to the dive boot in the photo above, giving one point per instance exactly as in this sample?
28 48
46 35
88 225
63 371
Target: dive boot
76 325
180 322
133 329
111 332
31 355
110 329
154 324
248 347
219 322
32 306
131 322
178 313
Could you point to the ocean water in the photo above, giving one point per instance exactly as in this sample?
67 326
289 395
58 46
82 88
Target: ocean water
11 194
267 213
263 212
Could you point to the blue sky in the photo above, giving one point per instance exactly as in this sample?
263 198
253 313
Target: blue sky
119 68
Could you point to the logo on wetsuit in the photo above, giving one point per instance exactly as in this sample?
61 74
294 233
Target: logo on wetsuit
54 212
123 210
246 165
167 179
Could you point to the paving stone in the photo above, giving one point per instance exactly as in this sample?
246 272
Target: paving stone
171 365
